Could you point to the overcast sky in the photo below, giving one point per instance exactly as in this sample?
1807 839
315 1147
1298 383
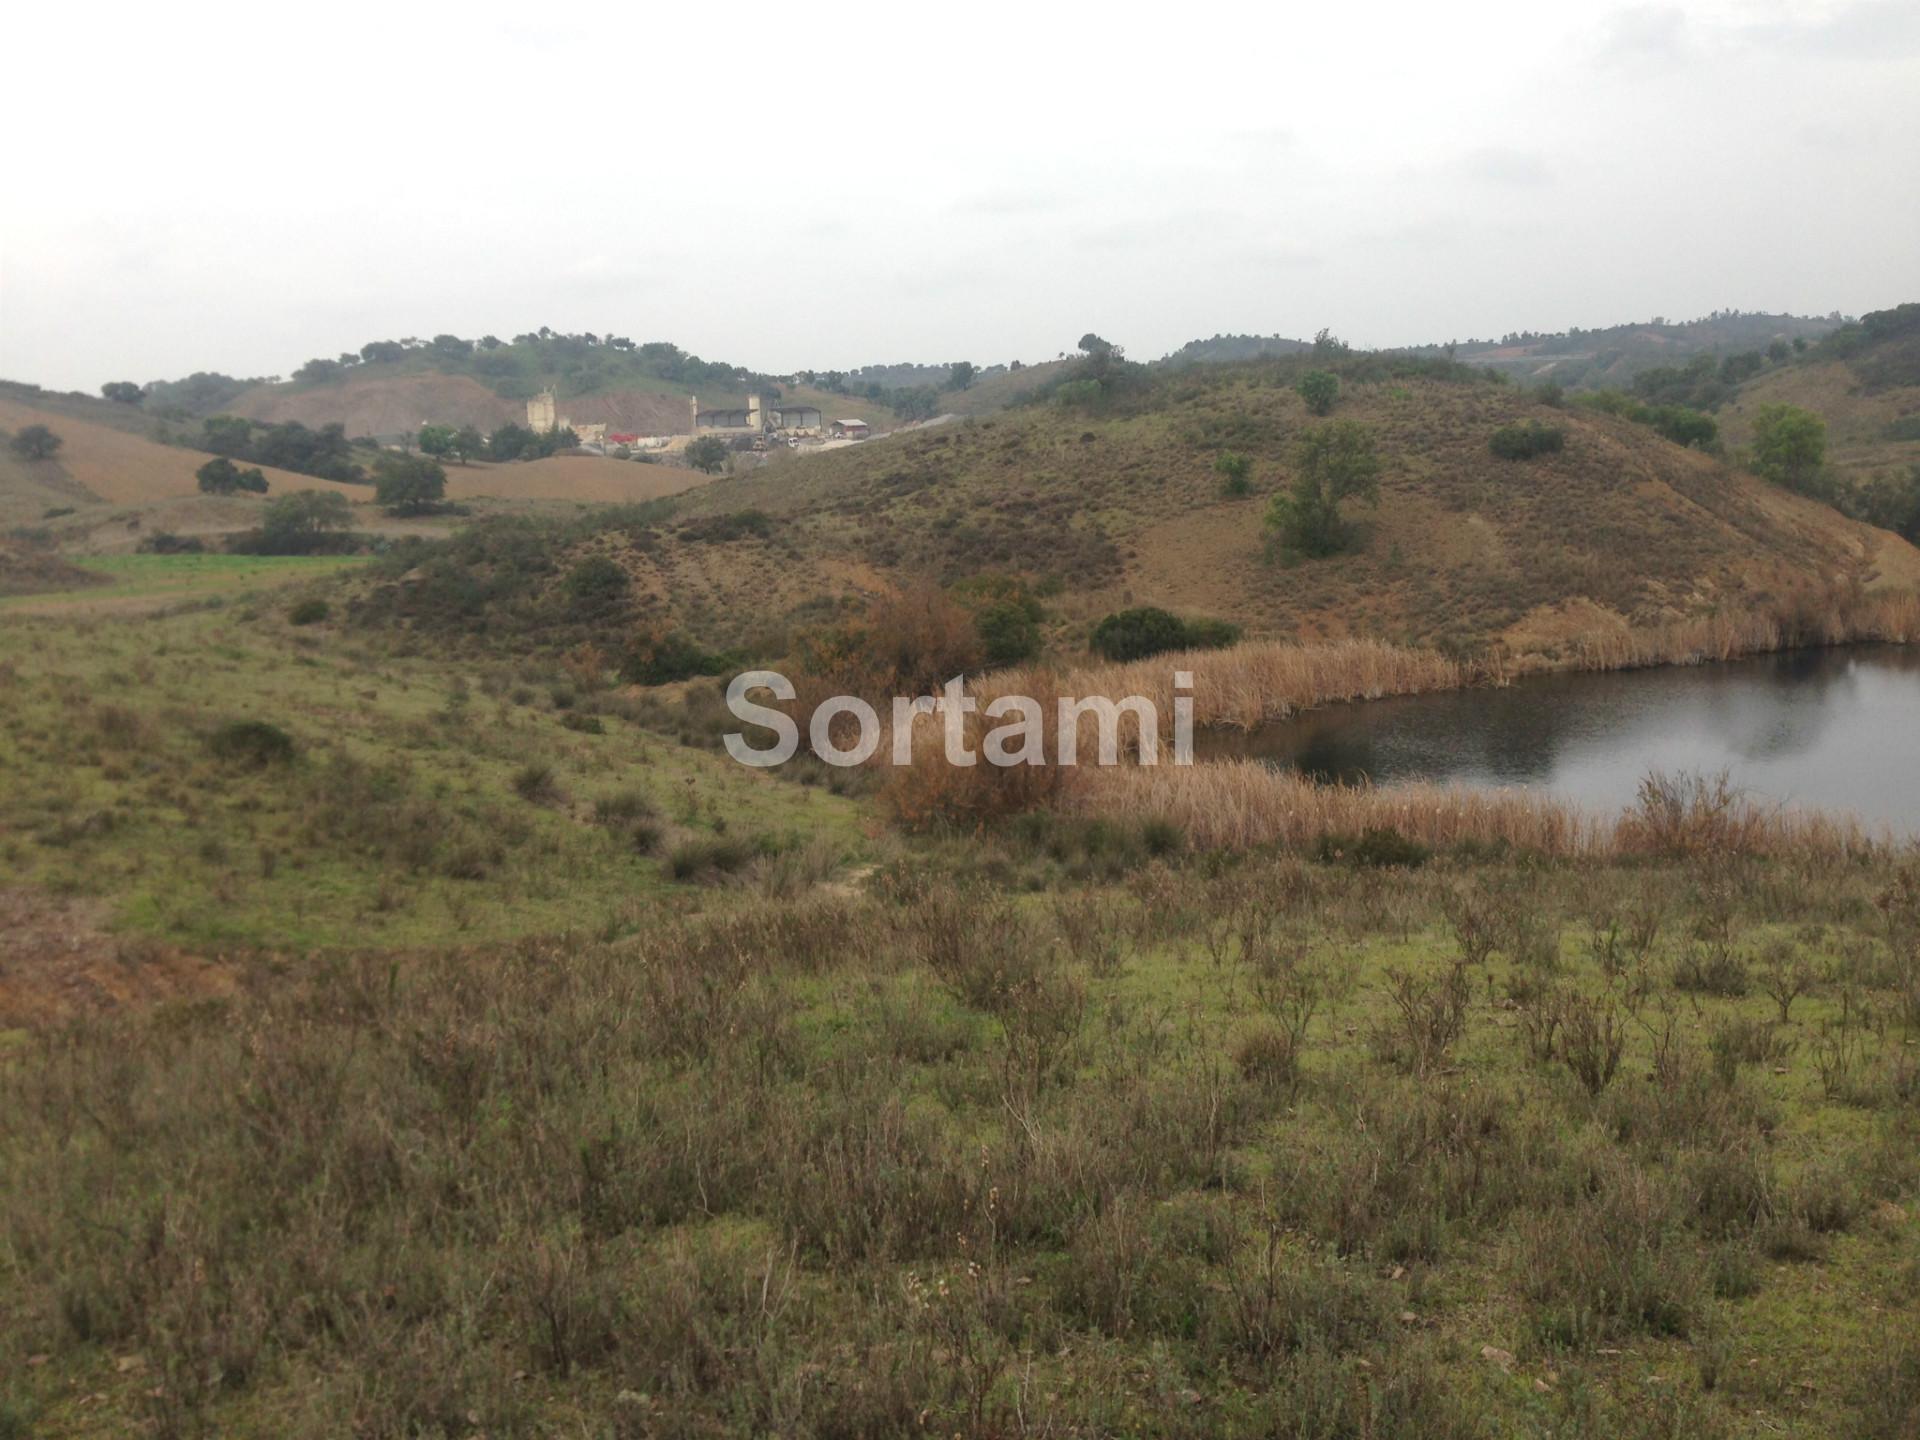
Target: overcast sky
238 188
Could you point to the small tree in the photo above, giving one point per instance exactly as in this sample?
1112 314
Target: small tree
961 375
436 440
1320 390
1333 463
1789 446
299 523
220 476
468 442
36 442
122 392
409 484
1235 473
708 454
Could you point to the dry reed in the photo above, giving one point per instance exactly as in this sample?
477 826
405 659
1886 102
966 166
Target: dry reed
1243 804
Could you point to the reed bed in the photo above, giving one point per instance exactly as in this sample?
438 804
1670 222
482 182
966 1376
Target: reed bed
1243 804
1248 685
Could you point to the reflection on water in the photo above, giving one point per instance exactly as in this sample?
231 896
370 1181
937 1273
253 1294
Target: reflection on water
1834 729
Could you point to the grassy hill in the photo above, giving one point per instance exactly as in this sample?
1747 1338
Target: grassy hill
1864 381
400 386
1124 507
1611 356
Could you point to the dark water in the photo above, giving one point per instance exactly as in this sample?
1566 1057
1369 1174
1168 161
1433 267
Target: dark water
1823 729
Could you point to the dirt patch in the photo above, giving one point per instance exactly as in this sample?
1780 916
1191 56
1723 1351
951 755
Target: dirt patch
57 961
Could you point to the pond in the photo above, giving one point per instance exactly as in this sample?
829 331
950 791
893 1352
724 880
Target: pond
1835 729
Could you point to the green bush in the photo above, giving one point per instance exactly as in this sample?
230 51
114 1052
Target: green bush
309 612
663 659
1525 439
251 742
1009 632
1148 630
1376 849
1320 390
1235 472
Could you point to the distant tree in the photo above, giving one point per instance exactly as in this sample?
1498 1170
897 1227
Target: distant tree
960 376
1326 343
1320 390
467 443
318 371
122 392
489 342
510 441
450 347
1332 464
1778 351
437 440
408 484
915 402
376 351
348 358
227 435
1789 446
708 454
300 523
36 442
1234 472
220 476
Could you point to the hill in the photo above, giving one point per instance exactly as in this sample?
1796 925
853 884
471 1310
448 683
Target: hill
1102 510
1864 381
1613 355
391 387
102 464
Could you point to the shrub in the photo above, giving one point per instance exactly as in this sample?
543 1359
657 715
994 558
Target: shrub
220 476
595 587
309 612
1789 447
1524 439
583 724
710 855
1148 630
252 742
1235 472
1320 390
1009 633
165 542
663 657
409 484
35 442
1380 847
535 783
1332 464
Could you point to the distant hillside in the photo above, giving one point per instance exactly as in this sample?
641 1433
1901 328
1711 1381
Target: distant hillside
1611 357
392 387
1124 506
1224 349
1863 379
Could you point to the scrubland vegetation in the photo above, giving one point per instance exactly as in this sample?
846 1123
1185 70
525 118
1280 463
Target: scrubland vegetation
411 1025
1040 1135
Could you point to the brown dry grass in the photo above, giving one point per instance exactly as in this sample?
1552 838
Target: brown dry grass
587 478
127 469
1243 804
